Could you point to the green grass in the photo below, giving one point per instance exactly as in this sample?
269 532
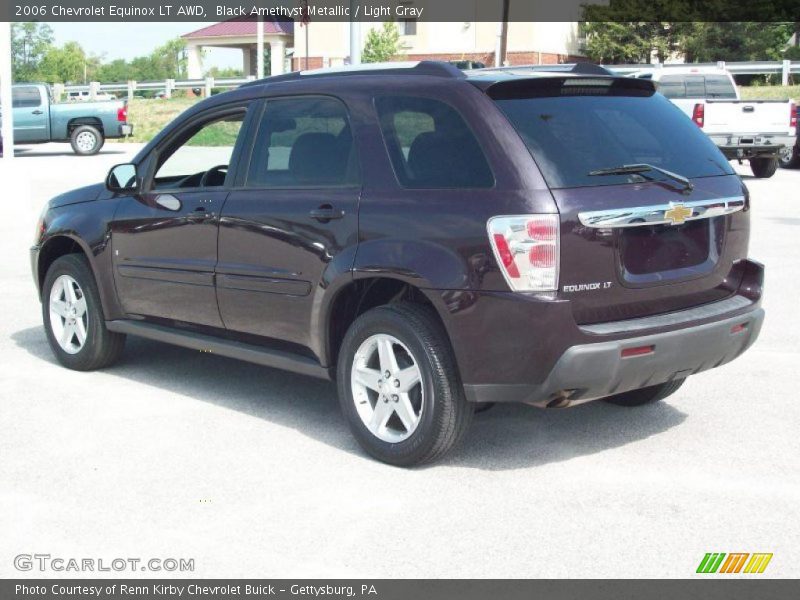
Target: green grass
770 92
151 116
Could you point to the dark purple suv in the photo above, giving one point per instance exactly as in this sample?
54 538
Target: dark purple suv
431 240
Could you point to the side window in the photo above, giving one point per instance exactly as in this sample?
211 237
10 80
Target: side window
719 86
26 97
672 86
303 142
695 86
200 157
430 145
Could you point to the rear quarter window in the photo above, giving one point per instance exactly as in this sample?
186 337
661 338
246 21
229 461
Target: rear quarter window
719 86
430 145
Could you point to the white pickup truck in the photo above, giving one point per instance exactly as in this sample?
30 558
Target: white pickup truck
753 129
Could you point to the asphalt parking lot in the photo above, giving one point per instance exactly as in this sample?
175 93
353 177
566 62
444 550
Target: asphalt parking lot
252 472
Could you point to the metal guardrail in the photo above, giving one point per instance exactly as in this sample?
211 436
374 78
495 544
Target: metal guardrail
167 86
784 68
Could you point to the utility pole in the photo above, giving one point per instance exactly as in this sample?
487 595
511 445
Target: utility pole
260 47
355 36
5 91
504 33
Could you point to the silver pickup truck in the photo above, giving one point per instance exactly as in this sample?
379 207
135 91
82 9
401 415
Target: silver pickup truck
85 125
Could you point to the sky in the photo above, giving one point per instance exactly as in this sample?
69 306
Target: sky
137 39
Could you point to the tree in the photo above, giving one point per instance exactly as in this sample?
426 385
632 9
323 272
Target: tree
697 30
710 42
114 71
222 73
612 42
381 45
168 61
67 64
622 42
29 43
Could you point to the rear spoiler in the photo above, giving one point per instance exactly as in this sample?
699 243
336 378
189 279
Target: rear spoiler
572 84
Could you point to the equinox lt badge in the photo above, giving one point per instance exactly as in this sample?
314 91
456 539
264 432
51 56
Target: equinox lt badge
587 287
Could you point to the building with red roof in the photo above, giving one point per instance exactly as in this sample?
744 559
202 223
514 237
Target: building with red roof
295 46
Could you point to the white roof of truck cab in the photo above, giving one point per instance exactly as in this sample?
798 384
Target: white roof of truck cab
656 74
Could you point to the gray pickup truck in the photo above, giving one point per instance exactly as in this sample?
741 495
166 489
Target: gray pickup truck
85 125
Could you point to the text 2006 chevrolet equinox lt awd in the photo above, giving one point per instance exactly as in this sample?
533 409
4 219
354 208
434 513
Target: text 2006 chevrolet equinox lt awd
428 239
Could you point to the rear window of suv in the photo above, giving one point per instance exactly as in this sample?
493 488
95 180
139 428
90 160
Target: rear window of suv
572 127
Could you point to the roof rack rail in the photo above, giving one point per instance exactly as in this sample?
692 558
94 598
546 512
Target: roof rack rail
581 68
433 68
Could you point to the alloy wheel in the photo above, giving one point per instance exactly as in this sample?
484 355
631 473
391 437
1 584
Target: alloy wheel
386 384
69 319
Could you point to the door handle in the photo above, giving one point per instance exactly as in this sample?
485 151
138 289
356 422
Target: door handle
37 112
326 213
199 214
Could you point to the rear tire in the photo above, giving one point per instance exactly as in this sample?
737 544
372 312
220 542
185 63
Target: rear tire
764 167
73 317
789 158
646 395
394 421
86 140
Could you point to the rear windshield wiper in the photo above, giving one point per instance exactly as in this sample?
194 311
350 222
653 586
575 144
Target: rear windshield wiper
640 168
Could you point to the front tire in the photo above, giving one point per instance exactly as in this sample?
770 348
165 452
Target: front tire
73 317
764 166
647 395
399 388
86 140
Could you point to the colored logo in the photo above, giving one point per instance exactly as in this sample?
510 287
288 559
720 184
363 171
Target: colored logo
735 562
677 214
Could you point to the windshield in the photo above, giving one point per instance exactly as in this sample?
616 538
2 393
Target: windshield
570 136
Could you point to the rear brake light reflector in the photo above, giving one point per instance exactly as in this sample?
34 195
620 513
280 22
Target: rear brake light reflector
739 328
699 114
504 252
793 116
526 248
542 230
542 256
122 114
637 351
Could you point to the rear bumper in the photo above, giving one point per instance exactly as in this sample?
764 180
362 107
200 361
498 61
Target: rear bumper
742 144
591 371
529 348
125 130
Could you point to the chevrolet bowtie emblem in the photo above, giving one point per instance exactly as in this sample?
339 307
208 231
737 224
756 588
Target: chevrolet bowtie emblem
677 214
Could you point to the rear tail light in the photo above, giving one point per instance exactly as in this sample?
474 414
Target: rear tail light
699 114
122 114
793 116
527 250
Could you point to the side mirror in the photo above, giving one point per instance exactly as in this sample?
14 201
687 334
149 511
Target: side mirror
122 178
